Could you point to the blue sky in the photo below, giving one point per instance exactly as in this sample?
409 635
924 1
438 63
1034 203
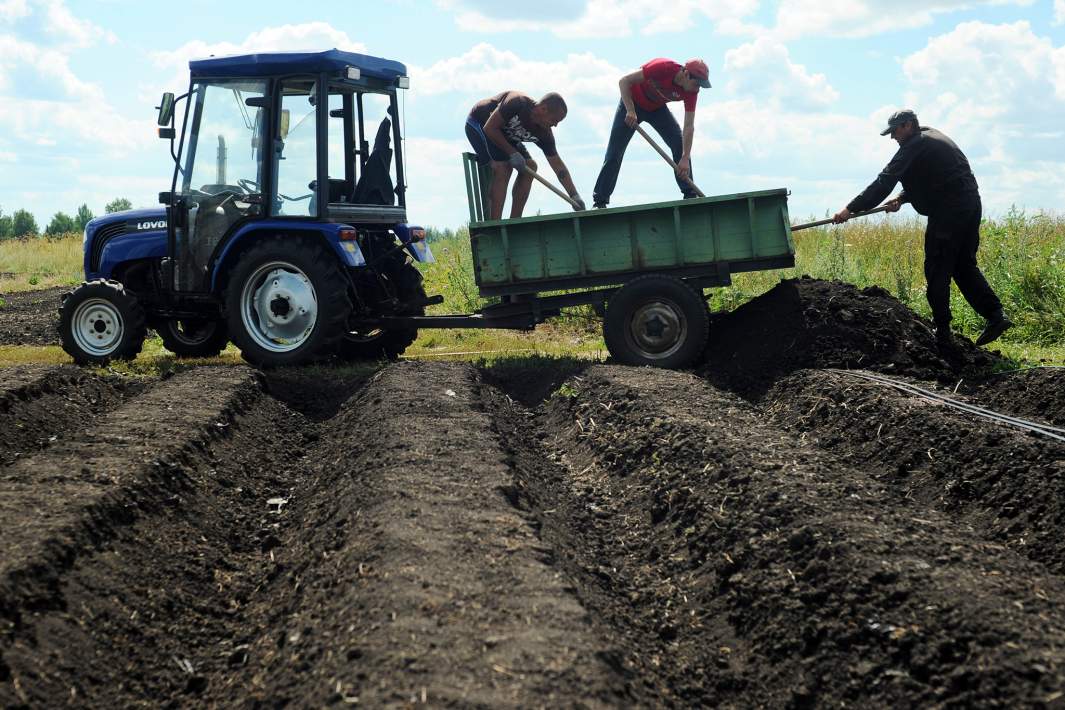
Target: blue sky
800 89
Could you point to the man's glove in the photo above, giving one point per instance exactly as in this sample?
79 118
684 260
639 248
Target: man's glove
517 161
580 203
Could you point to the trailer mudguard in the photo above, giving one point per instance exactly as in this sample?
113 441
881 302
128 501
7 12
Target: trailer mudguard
347 251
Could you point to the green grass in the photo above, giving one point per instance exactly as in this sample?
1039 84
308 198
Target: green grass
27 264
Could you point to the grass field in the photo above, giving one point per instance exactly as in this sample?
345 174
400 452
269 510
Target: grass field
1023 257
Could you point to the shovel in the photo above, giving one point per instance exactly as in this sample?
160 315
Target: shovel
552 188
667 158
818 223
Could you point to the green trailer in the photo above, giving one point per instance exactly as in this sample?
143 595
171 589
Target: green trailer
642 267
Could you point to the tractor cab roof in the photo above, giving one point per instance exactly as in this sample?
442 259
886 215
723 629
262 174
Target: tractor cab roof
285 63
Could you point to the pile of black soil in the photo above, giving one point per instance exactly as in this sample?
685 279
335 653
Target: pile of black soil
809 323
1037 392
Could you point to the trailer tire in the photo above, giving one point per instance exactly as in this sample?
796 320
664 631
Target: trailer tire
193 337
100 321
382 344
286 302
656 320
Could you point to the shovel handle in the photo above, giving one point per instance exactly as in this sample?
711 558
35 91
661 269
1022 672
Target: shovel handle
666 156
552 188
820 222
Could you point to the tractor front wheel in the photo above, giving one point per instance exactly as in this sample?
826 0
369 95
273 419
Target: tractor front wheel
100 321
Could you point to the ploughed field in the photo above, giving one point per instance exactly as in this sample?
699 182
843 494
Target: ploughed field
766 530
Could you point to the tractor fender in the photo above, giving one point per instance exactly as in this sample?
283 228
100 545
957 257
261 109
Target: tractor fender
346 250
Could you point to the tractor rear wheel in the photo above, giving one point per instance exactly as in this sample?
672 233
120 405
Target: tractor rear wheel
100 321
656 320
287 302
382 344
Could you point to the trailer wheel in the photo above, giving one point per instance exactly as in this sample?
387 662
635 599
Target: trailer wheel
193 337
286 302
100 321
656 320
381 344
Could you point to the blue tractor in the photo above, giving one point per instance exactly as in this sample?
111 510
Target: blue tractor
285 229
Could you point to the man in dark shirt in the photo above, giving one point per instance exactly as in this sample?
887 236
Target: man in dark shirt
644 95
498 126
937 181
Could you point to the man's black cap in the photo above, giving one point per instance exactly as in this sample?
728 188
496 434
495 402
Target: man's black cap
897 119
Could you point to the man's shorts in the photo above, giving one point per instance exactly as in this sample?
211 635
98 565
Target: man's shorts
486 150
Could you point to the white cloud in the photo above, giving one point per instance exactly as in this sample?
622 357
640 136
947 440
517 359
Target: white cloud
862 18
11 10
597 18
485 70
70 30
1059 12
764 69
999 91
310 36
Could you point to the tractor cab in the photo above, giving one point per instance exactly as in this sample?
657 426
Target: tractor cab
280 138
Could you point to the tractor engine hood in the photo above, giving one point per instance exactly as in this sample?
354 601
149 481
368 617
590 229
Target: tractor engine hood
149 219
112 238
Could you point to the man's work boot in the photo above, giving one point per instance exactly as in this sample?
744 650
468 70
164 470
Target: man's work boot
944 338
996 326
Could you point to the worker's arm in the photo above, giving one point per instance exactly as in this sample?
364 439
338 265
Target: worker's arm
625 85
493 128
564 177
684 165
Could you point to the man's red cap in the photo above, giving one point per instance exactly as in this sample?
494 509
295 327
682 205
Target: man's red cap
699 72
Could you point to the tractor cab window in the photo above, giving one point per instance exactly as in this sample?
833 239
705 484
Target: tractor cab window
295 149
377 175
361 156
222 171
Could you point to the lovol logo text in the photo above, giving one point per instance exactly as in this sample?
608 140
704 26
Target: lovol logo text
159 224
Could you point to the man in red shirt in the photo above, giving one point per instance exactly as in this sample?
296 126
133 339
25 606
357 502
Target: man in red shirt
644 94
498 126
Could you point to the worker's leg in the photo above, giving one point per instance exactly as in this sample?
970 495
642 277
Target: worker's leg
967 274
940 254
520 194
666 126
500 178
620 135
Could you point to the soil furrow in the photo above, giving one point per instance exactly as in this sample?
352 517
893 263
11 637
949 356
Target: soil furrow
1008 483
782 577
39 404
137 599
413 579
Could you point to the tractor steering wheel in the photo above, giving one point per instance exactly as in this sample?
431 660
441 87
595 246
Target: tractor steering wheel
250 186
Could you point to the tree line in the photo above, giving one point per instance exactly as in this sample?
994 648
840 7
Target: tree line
21 224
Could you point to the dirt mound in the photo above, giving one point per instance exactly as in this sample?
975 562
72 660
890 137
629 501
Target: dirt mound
1038 392
779 576
978 470
30 317
809 323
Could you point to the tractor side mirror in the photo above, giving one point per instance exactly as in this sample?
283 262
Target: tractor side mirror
166 109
